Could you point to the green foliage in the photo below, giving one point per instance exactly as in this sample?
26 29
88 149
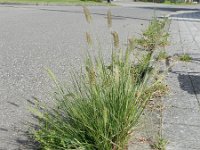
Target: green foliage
185 57
93 0
178 2
155 1
154 36
142 67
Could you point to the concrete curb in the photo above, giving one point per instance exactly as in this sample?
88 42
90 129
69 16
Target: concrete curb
170 15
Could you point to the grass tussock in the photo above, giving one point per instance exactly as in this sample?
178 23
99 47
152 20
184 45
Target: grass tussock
104 103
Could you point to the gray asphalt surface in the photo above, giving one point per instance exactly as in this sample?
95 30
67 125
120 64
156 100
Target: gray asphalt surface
35 37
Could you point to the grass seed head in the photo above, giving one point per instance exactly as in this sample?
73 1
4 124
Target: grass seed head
87 13
115 39
88 39
131 43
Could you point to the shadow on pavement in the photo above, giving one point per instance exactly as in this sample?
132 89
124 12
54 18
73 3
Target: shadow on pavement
22 141
27 144
4 129
25 140
13 104
189 83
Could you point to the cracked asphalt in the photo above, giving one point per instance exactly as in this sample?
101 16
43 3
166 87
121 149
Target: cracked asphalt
33 38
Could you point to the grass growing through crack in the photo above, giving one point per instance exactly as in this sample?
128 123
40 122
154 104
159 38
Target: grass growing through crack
162 55
155 36
104 103
185 57
160 144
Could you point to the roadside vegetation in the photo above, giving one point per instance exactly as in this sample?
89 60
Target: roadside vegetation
178 2
64 2
160 144
162 55
171 2
101 108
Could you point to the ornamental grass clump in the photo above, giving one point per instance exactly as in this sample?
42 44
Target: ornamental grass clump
102 106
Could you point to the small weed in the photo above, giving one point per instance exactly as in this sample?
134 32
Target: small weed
162 55
160 144
185 57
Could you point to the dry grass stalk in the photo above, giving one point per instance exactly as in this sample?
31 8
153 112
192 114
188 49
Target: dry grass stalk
131 43
115 39
109 19
88 38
